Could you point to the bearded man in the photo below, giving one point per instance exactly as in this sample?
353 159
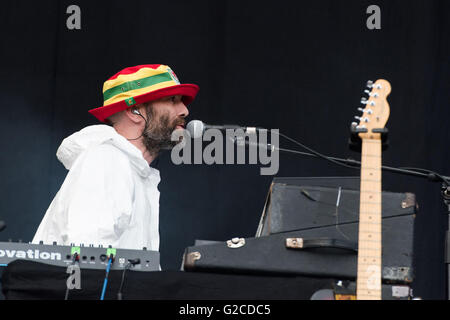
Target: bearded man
110 195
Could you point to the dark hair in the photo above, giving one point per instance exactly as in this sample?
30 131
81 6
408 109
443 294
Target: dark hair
109 122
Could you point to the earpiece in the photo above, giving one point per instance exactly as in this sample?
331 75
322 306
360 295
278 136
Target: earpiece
135 111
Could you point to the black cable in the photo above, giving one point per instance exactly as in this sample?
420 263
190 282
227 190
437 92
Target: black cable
127 267
429 174
74 259
432 175
350 163
119 294
318 154
145 128
416 169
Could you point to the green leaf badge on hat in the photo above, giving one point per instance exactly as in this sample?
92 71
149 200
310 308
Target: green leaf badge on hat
130 101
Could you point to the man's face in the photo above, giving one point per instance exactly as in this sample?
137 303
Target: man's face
163 117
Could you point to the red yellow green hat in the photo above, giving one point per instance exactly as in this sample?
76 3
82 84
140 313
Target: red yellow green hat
139 84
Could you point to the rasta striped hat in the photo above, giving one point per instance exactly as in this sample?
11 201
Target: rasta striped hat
139 84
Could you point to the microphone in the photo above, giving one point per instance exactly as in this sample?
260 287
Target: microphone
2 225
196 128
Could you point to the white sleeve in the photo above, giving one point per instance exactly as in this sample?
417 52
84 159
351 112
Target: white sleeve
99 197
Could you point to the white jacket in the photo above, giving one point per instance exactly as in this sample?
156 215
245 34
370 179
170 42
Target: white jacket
109 197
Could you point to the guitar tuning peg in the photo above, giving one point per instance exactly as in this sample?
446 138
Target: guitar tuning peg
367 91
362 119
369 84
363 100
368 111
354 124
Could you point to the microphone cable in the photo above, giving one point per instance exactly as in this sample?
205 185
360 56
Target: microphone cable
313 152
432 175
353 164
318 154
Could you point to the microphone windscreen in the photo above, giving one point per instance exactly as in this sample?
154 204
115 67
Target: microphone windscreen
195 128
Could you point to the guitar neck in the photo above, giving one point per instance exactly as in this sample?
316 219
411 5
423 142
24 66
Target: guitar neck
369 238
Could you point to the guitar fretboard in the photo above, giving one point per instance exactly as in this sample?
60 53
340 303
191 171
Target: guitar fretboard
369 242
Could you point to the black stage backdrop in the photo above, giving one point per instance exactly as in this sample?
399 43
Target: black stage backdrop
299 66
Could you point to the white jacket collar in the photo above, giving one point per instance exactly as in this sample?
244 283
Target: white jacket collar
75 144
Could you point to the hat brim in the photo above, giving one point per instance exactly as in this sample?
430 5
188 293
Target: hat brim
187 90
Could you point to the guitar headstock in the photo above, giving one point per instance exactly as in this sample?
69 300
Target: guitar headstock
376 111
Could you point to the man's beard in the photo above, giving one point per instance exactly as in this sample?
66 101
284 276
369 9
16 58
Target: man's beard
158 132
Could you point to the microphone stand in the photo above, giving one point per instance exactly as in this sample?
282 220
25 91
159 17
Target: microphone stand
431 176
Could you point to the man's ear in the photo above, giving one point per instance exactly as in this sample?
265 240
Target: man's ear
134 113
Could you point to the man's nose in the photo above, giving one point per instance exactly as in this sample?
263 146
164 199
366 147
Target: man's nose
182 111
